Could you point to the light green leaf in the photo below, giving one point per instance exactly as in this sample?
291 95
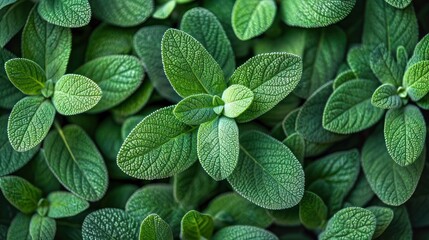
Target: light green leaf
195 109
19 228
296 143
4 3
26 75
244 233
359 60
188 66
75 94
383 216
392 183
405 134
29 122
399 3
152 151
164 10
71 14
123 13
416 80
9 94
421 51
20 193
271 77
76 162
348 110
263 157
42 228
109 223
386 97
238 99
385 67
313 212
251 18
196 226
206 29
46 44
315 13
154 228
64 204
12 19
350 223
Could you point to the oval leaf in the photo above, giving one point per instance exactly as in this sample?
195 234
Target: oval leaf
312 211
196 226
416 80
65 204
26 75
42 227
244 233
195 109
154 228
238 99
384 217
72 14
20 193
386 97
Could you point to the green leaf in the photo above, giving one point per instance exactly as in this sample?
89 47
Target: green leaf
195 109
71 14
385 67
76 162
46 44
117 197
405 134
399 3
244 233
75 94
19 228
206 29
315 13
118 76
350 223
20 193
43 177
251 18
386 97
64 204
400 227
196 226
238 99
9 94
348 110
108 139
29 122
109 223
12 19
383 216
296 143
392 183
4 3
152 151
421 51
164 10
360 194
359 60
188 66
343 77
218 147
154 228
42 227
313 212
289 122
263 157
123 13
271 77
416 80
134 103
26 75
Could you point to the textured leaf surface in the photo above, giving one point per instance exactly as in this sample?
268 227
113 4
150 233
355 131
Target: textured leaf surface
134 103
383 216
42 227
154 228
386 97
244 233
296 143
164 10
9 94
188 66
416 80
359 60
421 51
399 3
12 19
20 193
158 147
385 67
288 123
71 13
26 75
64 204
4 3
312 211
19 227
29 122
76 162
251 18
263 157
400 227
196 226
271 77
238 99
195 109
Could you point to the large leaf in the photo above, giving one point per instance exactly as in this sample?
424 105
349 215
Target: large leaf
242 232
26 75
71 14
154 228
196 226
76 162
65 204
20 193
12 19
195 109
42 227
9 94
416 80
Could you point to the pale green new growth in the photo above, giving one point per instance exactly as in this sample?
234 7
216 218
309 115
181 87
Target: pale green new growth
65 204
195 109
154 228
42 227
20 193
26 75
196 226
65 13
416 80
237 99
164 10
386 97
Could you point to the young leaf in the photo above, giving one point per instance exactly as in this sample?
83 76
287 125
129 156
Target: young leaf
188 66
421 51
64 204
75 94
9 94
383 216
164 10
196 226
312 211
154 228
359 60
263 157
12 19
153 150
71 14
343 77
20 193
416 80
405 134
386 97
399 3
19 227
46 44
385 67
42 227
238 99
29 122
251 18
195 109
26 75
76 162
244 233
271 77
348 110
350 223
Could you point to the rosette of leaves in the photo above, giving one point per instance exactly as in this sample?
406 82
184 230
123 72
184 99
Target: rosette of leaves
203 124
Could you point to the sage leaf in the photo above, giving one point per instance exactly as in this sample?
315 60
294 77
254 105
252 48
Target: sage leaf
289 122
386 97
71 14
19 227
400 227
42 227
383 216
26 75
136 102
416 80
343 77
399 3
296 143
421 52
195 109
64 204
20 193
9 94
4 3
196 226
361 193
164 10
12 19
385 66
238 99
359 60
154 228
244 233
312 211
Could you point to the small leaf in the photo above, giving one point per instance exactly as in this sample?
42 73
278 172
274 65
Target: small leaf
383 216
136 102
238 99
196 226
244 233
19 227
42 227
386 97
385 67
416 80
154 228
399 3
289 122
312 211
9 94
344 77
12 19
75 94
164 10
71 14
359 60
20 193
64 204
26 75
195 109
421 51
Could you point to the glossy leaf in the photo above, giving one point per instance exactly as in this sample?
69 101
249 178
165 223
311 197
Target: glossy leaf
42 227
26 75
416 80
242 232
386 97
20 193
64 204
238 99
196 226
154 228
72 14
195 109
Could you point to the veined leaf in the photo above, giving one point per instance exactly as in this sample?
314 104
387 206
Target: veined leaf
195 109
75 94
46 44
400 227
42 227
343 77
65 204
289 122
4 3
218 147
238 99
134 103
164 10
386 97
271 77
244 233
312 211
9 94
76 162
399 3
196 226
359 60
154 228
188 66
71 14
385 67
251 18
416 80
29 122
360 194
405 134
158 147
383 216
20 193
12 19
421 51
26 75
296 143
263 157
19 227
